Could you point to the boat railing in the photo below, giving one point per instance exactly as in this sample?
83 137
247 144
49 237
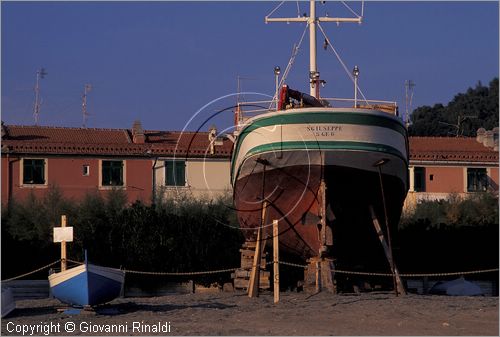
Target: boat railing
390 107
246 110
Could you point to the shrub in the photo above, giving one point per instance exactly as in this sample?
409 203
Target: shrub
184 234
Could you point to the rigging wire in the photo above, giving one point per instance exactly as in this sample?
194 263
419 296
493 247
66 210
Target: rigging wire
295 51
298 10
275 9
350 9
341 62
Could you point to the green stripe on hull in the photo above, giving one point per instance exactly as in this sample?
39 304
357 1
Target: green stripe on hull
327 117
311 117
326 145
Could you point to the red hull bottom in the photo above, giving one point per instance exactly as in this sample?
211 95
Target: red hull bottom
292 196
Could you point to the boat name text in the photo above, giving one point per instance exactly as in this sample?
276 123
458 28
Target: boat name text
324 130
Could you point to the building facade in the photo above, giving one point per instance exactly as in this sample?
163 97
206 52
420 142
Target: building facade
81 161
444 166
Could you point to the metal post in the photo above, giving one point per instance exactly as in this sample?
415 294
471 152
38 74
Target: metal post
86 89
39 75
355 72
356 91
277 75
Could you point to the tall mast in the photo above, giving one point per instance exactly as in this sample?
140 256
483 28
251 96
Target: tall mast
313 20
313 67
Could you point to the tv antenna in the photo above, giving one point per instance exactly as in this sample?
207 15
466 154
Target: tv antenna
460 119
40 74
409 85
85 114
238 89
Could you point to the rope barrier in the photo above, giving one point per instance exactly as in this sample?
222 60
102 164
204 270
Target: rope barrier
208 272
402 274
73 261
32 272
179 273
451 274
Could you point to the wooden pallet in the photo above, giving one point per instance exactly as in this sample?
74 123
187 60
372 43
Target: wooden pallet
241 277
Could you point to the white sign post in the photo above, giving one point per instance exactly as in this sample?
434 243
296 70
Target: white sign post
63 234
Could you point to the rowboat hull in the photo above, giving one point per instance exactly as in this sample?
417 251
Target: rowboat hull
8 302
302 148
87 284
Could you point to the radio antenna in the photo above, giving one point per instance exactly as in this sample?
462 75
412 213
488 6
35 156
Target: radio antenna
85 114
409 85
40 73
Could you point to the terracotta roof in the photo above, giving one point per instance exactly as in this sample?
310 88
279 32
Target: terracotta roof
86 141
50 134
450 149
196 142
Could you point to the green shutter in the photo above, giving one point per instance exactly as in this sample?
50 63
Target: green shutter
180 173
169 173
175 173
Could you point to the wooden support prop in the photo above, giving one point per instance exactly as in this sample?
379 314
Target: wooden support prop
253 286
63 246
398 284
276 262
318 277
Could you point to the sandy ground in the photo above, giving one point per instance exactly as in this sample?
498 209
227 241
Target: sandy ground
297 314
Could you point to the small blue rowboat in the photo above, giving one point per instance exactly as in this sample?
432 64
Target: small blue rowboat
87 284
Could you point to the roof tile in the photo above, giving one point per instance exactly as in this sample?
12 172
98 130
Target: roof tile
62 140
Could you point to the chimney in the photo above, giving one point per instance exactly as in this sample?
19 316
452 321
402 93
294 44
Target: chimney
488 138
138 136
480 134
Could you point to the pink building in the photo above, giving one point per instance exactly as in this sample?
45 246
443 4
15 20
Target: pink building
440 166
82 160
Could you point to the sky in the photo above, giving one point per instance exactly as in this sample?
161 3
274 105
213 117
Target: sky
164 62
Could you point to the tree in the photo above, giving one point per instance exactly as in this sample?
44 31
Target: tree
467 112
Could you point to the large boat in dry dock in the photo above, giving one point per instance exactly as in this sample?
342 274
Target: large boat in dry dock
317 164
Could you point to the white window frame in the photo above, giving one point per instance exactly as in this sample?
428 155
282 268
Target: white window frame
105 187
164 166
45 173
466 178
88 170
